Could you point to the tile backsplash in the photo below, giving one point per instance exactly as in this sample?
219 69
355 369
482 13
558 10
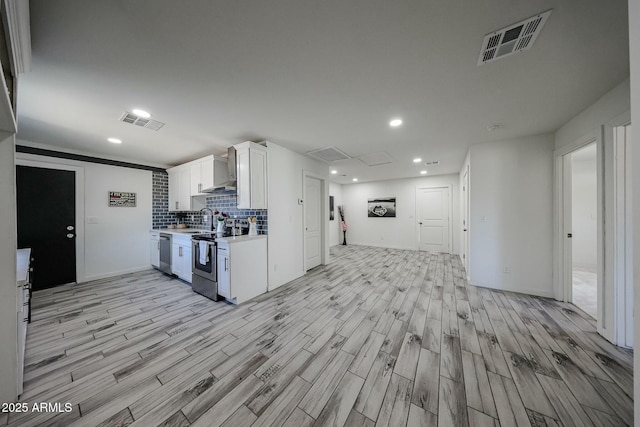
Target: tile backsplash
225 203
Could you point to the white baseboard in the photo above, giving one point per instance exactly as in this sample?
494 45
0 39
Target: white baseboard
403 248
527 291
115 273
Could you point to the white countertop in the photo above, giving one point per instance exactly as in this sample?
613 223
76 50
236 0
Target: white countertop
180 231
243 238
24 256
193 231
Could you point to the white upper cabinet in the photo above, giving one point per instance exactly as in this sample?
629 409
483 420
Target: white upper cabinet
251 160
180 190
187 182
201 175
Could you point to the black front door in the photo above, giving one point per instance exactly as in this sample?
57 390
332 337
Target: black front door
47 223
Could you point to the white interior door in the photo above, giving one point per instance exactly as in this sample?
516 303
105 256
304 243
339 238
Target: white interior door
312 222
465 220
433 219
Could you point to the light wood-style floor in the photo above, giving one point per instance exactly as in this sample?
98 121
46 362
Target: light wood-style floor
379 337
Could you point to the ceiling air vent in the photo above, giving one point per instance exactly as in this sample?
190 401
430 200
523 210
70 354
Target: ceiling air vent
141 121
329 154
376 159
512 39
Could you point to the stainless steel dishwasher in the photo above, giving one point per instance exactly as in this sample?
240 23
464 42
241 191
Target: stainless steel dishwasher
165 253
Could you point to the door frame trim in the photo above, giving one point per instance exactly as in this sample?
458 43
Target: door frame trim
621 252
466 215
562 270
79 208
449 187
324 217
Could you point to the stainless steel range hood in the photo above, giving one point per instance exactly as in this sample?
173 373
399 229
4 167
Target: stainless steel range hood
225 182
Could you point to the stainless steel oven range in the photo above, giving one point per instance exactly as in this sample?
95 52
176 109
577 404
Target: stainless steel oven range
204 278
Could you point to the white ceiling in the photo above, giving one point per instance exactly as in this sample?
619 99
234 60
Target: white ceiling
311 74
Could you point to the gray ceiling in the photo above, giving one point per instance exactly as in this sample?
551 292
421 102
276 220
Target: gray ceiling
311 74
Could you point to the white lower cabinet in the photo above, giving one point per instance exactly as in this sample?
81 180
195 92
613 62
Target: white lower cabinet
181 258
154 247
224 288
242 268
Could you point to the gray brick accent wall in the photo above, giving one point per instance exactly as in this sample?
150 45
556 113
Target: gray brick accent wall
226 203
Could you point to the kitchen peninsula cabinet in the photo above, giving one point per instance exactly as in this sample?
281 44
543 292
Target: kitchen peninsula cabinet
242 267
251 161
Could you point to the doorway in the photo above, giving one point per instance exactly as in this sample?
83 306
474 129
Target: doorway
584 229
313 221
46 220
433 211
465 221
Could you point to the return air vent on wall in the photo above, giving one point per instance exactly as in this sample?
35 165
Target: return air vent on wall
512 39
141 121
329 154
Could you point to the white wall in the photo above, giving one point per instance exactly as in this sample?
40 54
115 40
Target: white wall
8 291
511 214
286 234
335 232
399 232
119 242
584 225
634 40
611 105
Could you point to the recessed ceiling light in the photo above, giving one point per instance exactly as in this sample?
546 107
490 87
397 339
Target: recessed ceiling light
141 113
417 160
395 123
115 140
333 172
423 172
355 179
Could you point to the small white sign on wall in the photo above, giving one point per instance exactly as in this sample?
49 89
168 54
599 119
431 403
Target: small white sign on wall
122 199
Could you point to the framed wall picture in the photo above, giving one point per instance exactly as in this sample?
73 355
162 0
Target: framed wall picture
383 207
122 199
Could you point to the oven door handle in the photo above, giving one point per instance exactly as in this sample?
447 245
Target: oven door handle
195 242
